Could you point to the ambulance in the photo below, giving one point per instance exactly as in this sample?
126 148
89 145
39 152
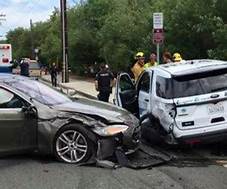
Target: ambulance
5 57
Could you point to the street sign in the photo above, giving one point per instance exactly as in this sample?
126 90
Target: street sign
158 33
158 20
158 36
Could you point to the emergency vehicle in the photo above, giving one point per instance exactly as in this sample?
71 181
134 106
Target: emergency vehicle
182 102
5 57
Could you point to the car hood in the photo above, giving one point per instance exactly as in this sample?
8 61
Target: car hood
109 112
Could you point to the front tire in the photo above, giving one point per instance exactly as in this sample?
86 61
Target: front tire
72 144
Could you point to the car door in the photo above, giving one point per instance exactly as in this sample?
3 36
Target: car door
143 89
17 128
126 94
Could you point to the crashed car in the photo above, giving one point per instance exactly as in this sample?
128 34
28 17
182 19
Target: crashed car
179 102
35 117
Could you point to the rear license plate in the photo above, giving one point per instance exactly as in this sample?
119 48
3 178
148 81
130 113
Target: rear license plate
215 108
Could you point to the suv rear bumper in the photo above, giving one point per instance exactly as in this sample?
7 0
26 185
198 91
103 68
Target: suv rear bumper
205 138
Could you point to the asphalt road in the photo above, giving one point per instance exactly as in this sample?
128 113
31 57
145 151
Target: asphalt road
190 170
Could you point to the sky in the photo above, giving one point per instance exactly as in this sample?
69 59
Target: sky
19 12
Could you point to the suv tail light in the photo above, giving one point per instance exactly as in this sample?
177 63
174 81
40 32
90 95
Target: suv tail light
171 109
5 60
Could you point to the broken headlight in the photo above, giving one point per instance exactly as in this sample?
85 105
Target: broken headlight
111 130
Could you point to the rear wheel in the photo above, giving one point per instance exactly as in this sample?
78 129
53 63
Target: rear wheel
72 144
150 134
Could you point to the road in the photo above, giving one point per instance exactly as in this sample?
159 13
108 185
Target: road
190 170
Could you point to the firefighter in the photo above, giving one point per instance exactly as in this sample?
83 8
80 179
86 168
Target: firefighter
177 57
104 81
138 67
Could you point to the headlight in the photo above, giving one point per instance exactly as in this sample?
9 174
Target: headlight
111 130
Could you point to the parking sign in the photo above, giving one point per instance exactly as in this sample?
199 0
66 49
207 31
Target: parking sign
158 20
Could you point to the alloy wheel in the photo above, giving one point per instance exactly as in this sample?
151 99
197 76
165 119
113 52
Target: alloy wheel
71 146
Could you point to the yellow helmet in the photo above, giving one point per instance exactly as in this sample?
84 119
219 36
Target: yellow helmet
177 57
139 54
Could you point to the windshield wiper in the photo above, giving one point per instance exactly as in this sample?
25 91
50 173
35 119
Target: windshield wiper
219 89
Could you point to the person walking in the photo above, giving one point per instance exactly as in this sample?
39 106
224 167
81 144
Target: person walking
53 74
104 81
24 67
152 61
138 67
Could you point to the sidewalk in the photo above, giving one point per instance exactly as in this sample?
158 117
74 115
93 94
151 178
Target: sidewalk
82 87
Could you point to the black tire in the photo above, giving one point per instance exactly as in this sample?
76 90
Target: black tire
149 134
73 144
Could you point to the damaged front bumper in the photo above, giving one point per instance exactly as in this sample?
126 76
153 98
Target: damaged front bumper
128 142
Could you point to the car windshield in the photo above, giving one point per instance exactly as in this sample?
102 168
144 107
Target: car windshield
177 88
40 92
34 66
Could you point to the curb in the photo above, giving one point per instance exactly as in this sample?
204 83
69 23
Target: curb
62 86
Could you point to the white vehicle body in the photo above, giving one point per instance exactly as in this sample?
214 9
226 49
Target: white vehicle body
5 54
184 101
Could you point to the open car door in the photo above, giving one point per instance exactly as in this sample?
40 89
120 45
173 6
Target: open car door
126 94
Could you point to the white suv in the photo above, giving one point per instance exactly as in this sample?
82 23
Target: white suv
183 102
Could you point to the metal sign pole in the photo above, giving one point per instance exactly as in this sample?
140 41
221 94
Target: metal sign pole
158 54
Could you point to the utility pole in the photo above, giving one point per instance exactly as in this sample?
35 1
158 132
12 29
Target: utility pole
64 37
32 40
2 18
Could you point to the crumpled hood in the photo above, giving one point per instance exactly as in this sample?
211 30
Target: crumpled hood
93 107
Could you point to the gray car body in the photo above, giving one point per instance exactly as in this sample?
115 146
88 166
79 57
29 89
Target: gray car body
21 131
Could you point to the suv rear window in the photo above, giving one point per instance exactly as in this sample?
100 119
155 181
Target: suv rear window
177 88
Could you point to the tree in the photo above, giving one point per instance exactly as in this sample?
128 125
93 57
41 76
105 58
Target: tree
112 31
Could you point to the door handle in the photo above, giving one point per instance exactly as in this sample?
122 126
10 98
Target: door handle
146 100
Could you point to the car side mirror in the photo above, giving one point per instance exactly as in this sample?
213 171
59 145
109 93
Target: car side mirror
29 111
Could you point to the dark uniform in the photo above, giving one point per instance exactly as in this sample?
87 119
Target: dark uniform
53 73
104 78
24 68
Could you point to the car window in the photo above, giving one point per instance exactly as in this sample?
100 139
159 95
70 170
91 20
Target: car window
177 88
144 83
126 83
187 88
163 87
9 100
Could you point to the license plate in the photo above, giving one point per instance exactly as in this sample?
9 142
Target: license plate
215 109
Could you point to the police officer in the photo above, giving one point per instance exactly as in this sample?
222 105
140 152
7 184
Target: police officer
24 67
53 74
104 82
